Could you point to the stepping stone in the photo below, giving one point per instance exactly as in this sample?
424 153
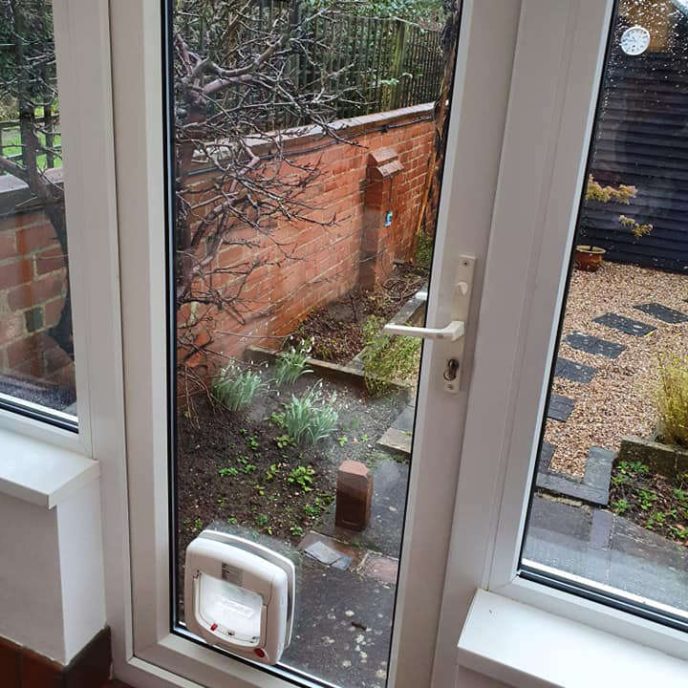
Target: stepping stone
667 315
560 408
397 441
545 458
636 328
593 488
594 345
576 372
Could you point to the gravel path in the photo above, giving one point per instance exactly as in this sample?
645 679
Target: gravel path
620 399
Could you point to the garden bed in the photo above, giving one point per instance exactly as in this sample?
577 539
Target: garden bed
650 499
240 468
337 330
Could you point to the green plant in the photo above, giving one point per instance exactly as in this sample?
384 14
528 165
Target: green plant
424 247
197 525
620 506
296 531
233 521
291 364
657 518
260 490
284 441
262 520
672 399
227 471
307 419
235 388
253 443
386 358
647 499
679 532
271 472
302 476
342 440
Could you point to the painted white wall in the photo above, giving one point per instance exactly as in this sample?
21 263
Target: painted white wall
52 596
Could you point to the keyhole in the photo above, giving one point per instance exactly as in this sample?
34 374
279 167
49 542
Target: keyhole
452 370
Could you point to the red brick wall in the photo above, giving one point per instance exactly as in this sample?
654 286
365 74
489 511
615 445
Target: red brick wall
324 262
32 291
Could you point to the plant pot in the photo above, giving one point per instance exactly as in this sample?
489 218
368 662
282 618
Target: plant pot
589 258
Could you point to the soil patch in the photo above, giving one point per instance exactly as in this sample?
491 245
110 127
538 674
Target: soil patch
337 329
651 500
236 468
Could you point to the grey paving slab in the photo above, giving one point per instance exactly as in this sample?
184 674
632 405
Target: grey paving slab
342 627
609 549
593 488
546 454
404 421
397 441
560 407
667 315
594 345
383 534
636 328
576 372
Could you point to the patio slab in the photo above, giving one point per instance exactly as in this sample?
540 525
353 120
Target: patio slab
609 549
594 345
576 372
560 407
667 315
635 328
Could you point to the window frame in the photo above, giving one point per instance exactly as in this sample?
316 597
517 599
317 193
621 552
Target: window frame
485 541
81 36
511 379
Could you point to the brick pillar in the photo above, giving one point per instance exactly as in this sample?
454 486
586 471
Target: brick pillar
378 217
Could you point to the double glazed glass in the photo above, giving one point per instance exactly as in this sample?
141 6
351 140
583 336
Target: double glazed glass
609 513
307 141
36 345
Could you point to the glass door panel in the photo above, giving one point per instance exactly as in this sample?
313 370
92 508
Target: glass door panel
308 143
609 513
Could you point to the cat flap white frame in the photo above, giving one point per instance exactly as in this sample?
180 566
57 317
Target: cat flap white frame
239 595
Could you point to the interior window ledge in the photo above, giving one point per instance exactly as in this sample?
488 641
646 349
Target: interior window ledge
523 646
40 473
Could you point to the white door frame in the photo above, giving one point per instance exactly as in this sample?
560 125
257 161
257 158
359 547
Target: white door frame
493 35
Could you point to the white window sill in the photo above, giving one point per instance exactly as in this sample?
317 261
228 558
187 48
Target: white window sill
40 473
526 647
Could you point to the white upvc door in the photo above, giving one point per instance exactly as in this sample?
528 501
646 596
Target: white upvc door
524 95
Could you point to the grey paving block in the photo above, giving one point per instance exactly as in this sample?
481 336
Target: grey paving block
560 407
545 458
576 372
594 345
404 421
667 315
593 488
636 328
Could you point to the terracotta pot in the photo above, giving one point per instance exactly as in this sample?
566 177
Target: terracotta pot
589 258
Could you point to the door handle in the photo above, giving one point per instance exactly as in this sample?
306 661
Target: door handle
451 337
455 330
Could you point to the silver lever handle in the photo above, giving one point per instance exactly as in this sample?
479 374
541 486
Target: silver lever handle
452 332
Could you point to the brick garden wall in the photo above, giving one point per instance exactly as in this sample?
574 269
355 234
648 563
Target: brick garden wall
385 171
32 289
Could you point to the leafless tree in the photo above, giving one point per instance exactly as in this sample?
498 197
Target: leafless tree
249 77
28 87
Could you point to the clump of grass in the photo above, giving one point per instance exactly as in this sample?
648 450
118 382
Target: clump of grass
291 364
672 400
308 419
424 247
385 358
235 388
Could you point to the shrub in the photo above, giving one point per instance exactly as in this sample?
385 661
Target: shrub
386 358
307 419
236 388
291 364
672 400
